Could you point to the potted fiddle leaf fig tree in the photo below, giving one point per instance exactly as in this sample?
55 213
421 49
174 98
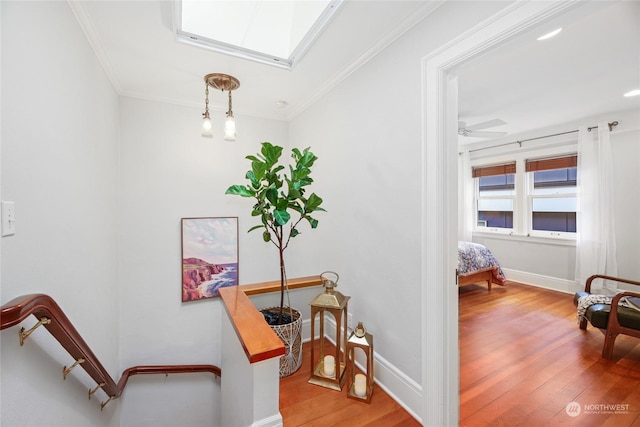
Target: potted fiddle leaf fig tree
281 205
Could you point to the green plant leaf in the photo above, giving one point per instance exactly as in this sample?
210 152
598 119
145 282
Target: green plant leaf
282 204
308 158
271 153
294 232
240 190
266 236
259 169
313 202
272 195
294 193
255 182
255 227
296 207
281 217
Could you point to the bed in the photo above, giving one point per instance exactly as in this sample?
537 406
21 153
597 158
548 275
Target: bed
476 264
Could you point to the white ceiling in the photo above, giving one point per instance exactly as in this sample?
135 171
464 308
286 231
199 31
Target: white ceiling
582 72
136 44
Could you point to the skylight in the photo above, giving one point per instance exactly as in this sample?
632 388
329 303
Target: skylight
276 32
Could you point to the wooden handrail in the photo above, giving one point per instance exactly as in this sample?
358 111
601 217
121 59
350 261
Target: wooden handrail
257 339
49 313
274 286
42 306
165 369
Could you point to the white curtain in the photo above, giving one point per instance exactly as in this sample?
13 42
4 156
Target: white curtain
465 197
596 242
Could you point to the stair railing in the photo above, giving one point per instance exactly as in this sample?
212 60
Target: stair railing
51 316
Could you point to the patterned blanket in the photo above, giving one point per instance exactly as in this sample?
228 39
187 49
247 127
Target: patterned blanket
474 256
586 301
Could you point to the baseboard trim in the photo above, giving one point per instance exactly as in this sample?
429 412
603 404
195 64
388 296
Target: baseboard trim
547 282
273 421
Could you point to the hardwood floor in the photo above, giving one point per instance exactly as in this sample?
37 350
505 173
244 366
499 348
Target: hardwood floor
304 404
523 359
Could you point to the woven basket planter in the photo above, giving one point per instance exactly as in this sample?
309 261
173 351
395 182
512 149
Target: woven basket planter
291 336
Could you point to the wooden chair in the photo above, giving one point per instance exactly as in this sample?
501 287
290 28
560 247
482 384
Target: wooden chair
611 319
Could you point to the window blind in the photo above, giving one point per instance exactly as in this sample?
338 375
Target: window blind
553 163
504 169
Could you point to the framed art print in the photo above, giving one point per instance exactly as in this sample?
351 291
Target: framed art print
209 256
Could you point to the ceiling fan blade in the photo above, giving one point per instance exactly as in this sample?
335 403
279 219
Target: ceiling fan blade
487 124
483 134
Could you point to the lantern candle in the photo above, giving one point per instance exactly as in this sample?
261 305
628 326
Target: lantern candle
360 386
329 366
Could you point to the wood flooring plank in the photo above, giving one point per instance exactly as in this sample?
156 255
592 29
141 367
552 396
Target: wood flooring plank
523 359
307 405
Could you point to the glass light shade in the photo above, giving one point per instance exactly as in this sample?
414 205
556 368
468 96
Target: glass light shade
207 127
230 129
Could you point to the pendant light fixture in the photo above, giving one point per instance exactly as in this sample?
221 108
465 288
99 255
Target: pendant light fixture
222 82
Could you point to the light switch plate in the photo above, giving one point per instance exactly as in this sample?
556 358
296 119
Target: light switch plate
8 218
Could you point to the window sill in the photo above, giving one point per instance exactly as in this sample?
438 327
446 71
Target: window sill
560 241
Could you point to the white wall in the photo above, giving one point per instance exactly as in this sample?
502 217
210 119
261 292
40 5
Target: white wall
367 135
59 135
168 172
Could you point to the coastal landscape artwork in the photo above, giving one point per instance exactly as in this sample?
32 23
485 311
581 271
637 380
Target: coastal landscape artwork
209 256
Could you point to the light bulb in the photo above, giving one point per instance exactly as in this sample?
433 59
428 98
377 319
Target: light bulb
230 129
207 127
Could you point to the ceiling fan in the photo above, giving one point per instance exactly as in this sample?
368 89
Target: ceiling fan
476 130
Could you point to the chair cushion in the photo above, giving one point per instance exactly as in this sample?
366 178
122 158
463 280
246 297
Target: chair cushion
598 314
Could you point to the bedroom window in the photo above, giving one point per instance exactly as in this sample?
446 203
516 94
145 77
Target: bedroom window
552 195
495 196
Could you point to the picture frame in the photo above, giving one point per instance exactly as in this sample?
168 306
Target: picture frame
209 254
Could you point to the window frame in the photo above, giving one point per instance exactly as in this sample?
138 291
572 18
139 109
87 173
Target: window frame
530 196
522 216
505 169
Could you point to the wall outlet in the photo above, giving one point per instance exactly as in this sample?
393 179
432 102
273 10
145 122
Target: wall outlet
349 321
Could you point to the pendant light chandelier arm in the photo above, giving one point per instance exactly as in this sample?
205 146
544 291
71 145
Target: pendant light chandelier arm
230 111
206 100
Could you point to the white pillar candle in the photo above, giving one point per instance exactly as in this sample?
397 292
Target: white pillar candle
329 366
360 386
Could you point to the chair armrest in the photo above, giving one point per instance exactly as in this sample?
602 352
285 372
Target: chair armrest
587 286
